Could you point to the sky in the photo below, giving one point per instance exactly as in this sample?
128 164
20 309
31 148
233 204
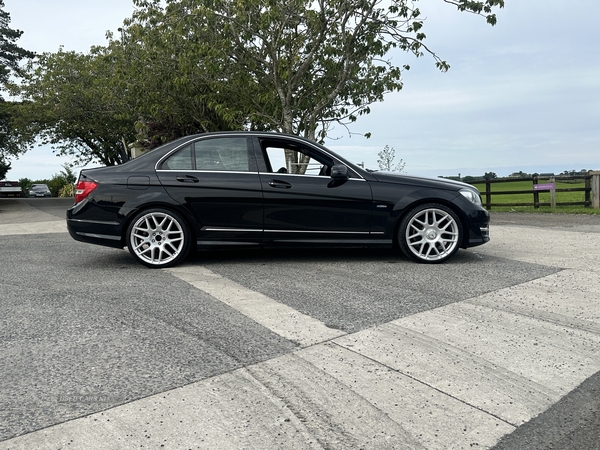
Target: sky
522 95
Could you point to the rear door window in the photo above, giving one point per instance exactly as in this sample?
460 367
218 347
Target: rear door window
222 154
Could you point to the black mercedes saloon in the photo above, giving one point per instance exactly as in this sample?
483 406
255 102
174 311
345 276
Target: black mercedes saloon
264 189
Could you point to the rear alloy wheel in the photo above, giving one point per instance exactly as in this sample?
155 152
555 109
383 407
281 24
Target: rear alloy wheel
158 238
430 233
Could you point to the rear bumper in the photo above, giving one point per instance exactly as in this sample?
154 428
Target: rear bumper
107 234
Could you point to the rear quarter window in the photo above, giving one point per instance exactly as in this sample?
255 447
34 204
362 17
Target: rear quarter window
180 160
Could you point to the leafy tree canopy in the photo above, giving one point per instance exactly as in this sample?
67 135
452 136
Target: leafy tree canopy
9 144
519 174
185 66
10 53
296 66
4 168
72 104
10 56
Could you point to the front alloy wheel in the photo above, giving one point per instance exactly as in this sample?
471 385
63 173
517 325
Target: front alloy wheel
158 238
430 233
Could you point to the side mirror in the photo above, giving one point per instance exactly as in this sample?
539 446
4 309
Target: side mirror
339 172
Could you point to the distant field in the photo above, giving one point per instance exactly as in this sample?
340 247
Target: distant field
544 196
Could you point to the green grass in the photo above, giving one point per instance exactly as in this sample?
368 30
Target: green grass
544 197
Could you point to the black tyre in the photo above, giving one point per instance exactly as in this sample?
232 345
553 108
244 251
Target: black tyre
158 238
430 233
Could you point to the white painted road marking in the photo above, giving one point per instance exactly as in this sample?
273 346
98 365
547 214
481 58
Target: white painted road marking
52 226
279 318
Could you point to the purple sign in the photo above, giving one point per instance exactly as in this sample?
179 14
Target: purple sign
544 187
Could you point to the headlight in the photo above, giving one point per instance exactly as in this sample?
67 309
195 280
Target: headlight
472 196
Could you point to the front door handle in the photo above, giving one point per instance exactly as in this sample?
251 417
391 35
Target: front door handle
279 184
188 179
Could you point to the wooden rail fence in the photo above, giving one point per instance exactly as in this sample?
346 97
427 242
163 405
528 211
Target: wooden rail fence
591 190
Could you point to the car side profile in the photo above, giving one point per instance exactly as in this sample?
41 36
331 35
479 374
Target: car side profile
254 189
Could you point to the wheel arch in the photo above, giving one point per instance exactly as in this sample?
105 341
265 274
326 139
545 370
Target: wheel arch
441 201
167 206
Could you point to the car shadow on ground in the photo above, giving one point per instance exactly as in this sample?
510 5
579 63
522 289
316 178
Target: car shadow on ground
331 255
123 259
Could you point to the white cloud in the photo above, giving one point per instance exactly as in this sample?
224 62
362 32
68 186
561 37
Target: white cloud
39 163
75 24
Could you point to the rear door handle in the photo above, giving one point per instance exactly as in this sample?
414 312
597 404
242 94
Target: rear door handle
188 179
279 184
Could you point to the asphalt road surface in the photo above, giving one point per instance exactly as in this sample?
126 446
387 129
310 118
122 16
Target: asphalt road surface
337 349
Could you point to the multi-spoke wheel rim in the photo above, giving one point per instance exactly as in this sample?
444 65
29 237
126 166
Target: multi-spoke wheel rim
157 238
432 234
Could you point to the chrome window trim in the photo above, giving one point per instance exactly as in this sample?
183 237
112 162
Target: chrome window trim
207 171
196 139
273 136
258 173
328 177
318 149
160 161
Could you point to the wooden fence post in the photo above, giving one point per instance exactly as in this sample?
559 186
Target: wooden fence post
553 194
536 195
588 193
595 188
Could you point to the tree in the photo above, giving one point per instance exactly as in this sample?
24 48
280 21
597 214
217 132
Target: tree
519 174
25 184
57 183
68 174
386 160
71 104
135 89
8 143
10 53
471 179
298 66
490 176
184 66
4 168
172 78
10 56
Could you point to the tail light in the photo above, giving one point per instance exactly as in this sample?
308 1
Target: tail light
84 188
